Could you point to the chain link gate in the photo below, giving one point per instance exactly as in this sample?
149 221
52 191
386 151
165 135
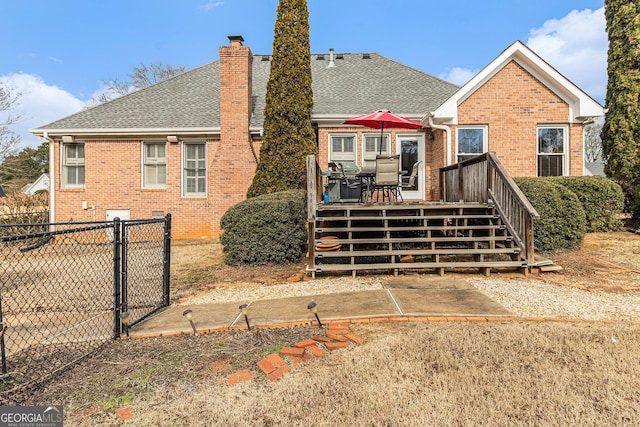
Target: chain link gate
62 291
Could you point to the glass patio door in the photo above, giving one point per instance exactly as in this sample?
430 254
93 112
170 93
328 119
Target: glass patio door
411 149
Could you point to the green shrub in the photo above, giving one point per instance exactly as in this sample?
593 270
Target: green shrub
268 229
601 198
562 220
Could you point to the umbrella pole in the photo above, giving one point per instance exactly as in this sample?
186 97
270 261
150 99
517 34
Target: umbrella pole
381 133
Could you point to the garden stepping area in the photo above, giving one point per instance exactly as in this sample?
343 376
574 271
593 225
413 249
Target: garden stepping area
275 365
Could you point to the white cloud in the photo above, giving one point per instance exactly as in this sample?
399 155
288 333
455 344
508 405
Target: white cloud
576 45
39 104
211 4
458 75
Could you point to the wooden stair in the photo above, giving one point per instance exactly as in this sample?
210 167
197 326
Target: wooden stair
411 236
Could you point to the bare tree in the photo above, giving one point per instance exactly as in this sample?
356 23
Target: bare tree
592 142
9 140
141 77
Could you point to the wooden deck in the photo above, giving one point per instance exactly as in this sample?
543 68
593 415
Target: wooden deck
411 236
494 231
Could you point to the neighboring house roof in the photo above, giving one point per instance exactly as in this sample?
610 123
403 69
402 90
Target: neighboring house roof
581 105
594 169
2 193
42 183
358 84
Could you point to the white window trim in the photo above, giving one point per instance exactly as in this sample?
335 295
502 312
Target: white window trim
566 147
363 144
63 164
343 134
143 159
182 167
485 135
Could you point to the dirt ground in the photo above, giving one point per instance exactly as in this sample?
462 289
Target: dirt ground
609 261
606 261
143 375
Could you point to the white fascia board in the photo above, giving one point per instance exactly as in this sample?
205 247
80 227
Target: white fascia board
581 105
89 132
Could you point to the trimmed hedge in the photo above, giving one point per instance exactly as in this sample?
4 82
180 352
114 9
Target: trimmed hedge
602 200
268 229
562 219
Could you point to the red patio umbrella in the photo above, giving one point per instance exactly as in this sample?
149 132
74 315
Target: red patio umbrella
382 118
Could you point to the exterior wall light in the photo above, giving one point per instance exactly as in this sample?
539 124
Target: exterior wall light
313 307
243 309
172 138
188 314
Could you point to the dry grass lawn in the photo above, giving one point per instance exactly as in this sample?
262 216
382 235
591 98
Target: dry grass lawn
412 374
445 374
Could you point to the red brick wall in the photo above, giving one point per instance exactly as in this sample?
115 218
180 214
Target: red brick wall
512 104
113 168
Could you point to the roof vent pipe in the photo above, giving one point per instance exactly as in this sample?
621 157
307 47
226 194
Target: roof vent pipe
331 63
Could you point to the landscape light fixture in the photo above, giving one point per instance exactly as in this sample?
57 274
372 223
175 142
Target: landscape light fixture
313 307
188 314
243 309
124 318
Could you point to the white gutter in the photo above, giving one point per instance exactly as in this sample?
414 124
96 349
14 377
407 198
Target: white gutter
52 178
447 131
126 132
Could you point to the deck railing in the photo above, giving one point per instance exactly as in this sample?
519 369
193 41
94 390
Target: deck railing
315 190
315 187
484 178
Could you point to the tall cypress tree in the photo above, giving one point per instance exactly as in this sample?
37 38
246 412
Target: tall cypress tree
621 130
288 134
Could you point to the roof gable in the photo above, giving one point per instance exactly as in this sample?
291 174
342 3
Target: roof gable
42 183
581 105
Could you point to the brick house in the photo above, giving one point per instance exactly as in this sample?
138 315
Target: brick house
189 145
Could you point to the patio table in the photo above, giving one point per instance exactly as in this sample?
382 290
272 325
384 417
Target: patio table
367 177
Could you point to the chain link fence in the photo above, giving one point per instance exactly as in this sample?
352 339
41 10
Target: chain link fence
65 292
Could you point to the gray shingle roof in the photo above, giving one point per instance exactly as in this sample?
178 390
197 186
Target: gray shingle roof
191 100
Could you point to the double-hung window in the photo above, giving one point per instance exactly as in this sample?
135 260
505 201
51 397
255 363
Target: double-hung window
552 149
372 147
73 165
194 174
154 165
472 141
342 148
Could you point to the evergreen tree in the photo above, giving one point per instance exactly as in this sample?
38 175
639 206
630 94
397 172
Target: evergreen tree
288 134
24 167
621 130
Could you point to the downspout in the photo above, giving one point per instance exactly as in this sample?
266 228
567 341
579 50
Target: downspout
52 175
447 131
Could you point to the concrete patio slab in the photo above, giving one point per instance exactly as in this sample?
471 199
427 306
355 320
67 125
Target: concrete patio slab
171 320
446 302
345 305
407 296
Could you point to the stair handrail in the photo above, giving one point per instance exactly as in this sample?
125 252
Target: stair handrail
484 177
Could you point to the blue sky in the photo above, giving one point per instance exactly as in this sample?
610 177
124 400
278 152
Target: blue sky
59 53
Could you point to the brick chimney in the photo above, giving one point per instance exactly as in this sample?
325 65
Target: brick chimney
232 163
235 89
